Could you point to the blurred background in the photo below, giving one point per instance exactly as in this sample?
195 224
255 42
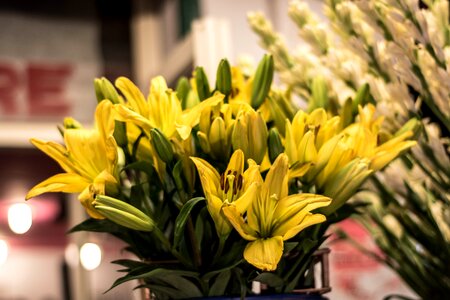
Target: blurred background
50 52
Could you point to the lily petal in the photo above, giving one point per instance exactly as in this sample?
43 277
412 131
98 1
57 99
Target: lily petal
64 182
264 253
238 222
276 179
208 175
310 219
133 95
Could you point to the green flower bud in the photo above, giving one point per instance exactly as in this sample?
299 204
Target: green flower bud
319 94
413 125
362 97
183 88
275 146
162 145
123 213
71 123
223 80
201 80
104 89
347 116
120 134
262 81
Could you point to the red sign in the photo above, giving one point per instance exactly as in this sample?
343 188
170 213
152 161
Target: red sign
34 90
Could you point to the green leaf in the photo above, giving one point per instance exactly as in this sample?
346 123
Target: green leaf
182 217
186 288
211 274
95 225
159 273
270 279
129 263
220 284
142 166
288 246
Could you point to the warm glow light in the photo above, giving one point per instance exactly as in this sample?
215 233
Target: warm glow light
3 252
90 256
72 255
20 217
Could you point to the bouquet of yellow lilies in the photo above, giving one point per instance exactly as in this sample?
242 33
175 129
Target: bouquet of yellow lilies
213 189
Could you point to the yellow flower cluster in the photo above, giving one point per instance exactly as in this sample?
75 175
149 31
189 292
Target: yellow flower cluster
226 127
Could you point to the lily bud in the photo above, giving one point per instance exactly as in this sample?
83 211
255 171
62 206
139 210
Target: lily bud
201 81
281 109
182 89
343 184
120 134
362 97
223 78
263 81
216 125
162 145
71 123
275 146
250 135
104 89
319 93
123 213
412 125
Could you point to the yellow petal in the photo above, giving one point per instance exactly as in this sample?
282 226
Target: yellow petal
86 199
251 175
290 145
221 223
86 148
277 179
105 124
191 117
125 114
291 211
264 253
307 151
238 222
184 131
244 201
209 176
57 152
236 162
133 95
64 182
310 219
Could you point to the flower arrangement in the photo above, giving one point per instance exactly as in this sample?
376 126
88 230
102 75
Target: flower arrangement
398 52
213 189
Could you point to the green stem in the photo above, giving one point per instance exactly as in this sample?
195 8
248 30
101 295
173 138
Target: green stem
194 243
163 239
190 226
222 240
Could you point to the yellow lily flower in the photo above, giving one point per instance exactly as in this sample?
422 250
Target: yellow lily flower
305 138
162 109
89 160
274 217
233 186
